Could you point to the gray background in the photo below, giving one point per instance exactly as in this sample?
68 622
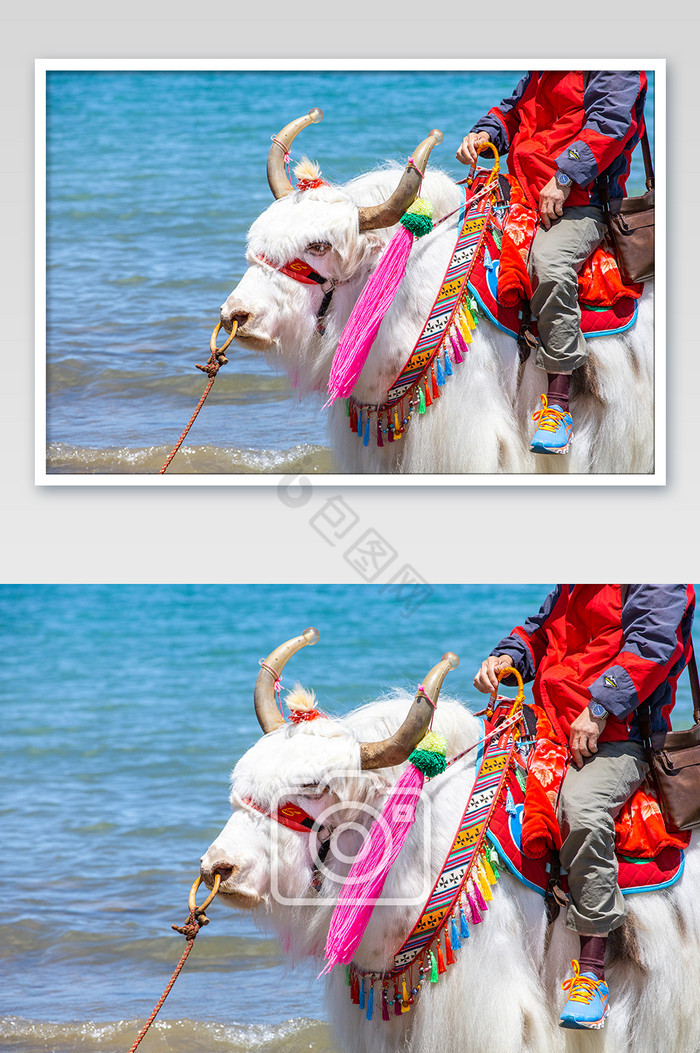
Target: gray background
215 533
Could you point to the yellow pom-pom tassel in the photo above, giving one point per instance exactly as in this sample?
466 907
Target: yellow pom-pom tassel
421 207
433 742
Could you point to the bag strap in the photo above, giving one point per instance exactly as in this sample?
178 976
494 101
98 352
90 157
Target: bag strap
694 683
646 154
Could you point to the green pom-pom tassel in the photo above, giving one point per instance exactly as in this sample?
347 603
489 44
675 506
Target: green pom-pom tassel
418 219
429 755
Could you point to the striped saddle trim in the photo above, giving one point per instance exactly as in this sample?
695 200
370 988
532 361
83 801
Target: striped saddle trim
469 838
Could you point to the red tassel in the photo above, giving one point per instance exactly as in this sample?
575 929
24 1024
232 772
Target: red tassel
440 959
428 400
436 389
355 989
397 1001
380 440
448 949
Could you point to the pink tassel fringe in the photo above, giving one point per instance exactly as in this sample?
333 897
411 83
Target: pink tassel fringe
368 873
457 339
480 901
476 917
367 314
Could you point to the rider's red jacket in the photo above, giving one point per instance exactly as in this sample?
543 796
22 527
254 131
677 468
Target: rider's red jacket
586 644
586 124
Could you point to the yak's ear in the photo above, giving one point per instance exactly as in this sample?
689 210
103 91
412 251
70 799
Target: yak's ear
368 248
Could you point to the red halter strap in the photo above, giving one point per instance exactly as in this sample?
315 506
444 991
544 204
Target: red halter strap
289 814
299 270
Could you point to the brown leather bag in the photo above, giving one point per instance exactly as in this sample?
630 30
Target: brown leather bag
631 226
674 757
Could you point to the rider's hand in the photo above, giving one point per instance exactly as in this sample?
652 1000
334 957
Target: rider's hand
486 680
552 198
583 737
468 152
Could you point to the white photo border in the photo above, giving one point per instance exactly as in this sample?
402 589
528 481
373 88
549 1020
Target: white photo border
44 66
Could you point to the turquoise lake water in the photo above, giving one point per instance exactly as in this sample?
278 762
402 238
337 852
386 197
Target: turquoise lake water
124 709
153 179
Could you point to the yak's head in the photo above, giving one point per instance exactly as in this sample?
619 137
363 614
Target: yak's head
312 244
304 795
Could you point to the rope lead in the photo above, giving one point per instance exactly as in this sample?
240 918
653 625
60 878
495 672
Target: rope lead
214 363
197 918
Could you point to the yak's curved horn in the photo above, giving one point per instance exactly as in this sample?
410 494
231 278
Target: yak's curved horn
390 211
395 750
276 174
266 708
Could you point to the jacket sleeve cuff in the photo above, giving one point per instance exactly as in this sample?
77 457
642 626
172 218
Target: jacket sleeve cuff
496 130
520 657
579 163
615 691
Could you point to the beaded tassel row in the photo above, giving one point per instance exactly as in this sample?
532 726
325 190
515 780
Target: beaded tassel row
398 992
391 423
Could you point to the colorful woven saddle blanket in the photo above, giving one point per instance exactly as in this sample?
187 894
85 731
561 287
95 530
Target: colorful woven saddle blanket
483 284
505 834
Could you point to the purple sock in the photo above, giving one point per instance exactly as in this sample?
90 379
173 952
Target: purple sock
558 391
592 956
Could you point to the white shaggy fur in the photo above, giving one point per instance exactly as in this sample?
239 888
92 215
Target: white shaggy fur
481 424
503 992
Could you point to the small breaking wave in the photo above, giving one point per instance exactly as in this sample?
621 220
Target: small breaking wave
175 1036
62 459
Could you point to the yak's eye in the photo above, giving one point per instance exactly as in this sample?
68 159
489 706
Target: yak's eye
318 248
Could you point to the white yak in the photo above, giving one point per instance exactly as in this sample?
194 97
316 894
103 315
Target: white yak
482 421
503 992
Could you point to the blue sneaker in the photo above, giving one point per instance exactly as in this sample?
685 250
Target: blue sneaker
554 429
587 1003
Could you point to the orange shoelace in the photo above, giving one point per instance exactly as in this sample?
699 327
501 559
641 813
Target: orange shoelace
581 988
549 417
